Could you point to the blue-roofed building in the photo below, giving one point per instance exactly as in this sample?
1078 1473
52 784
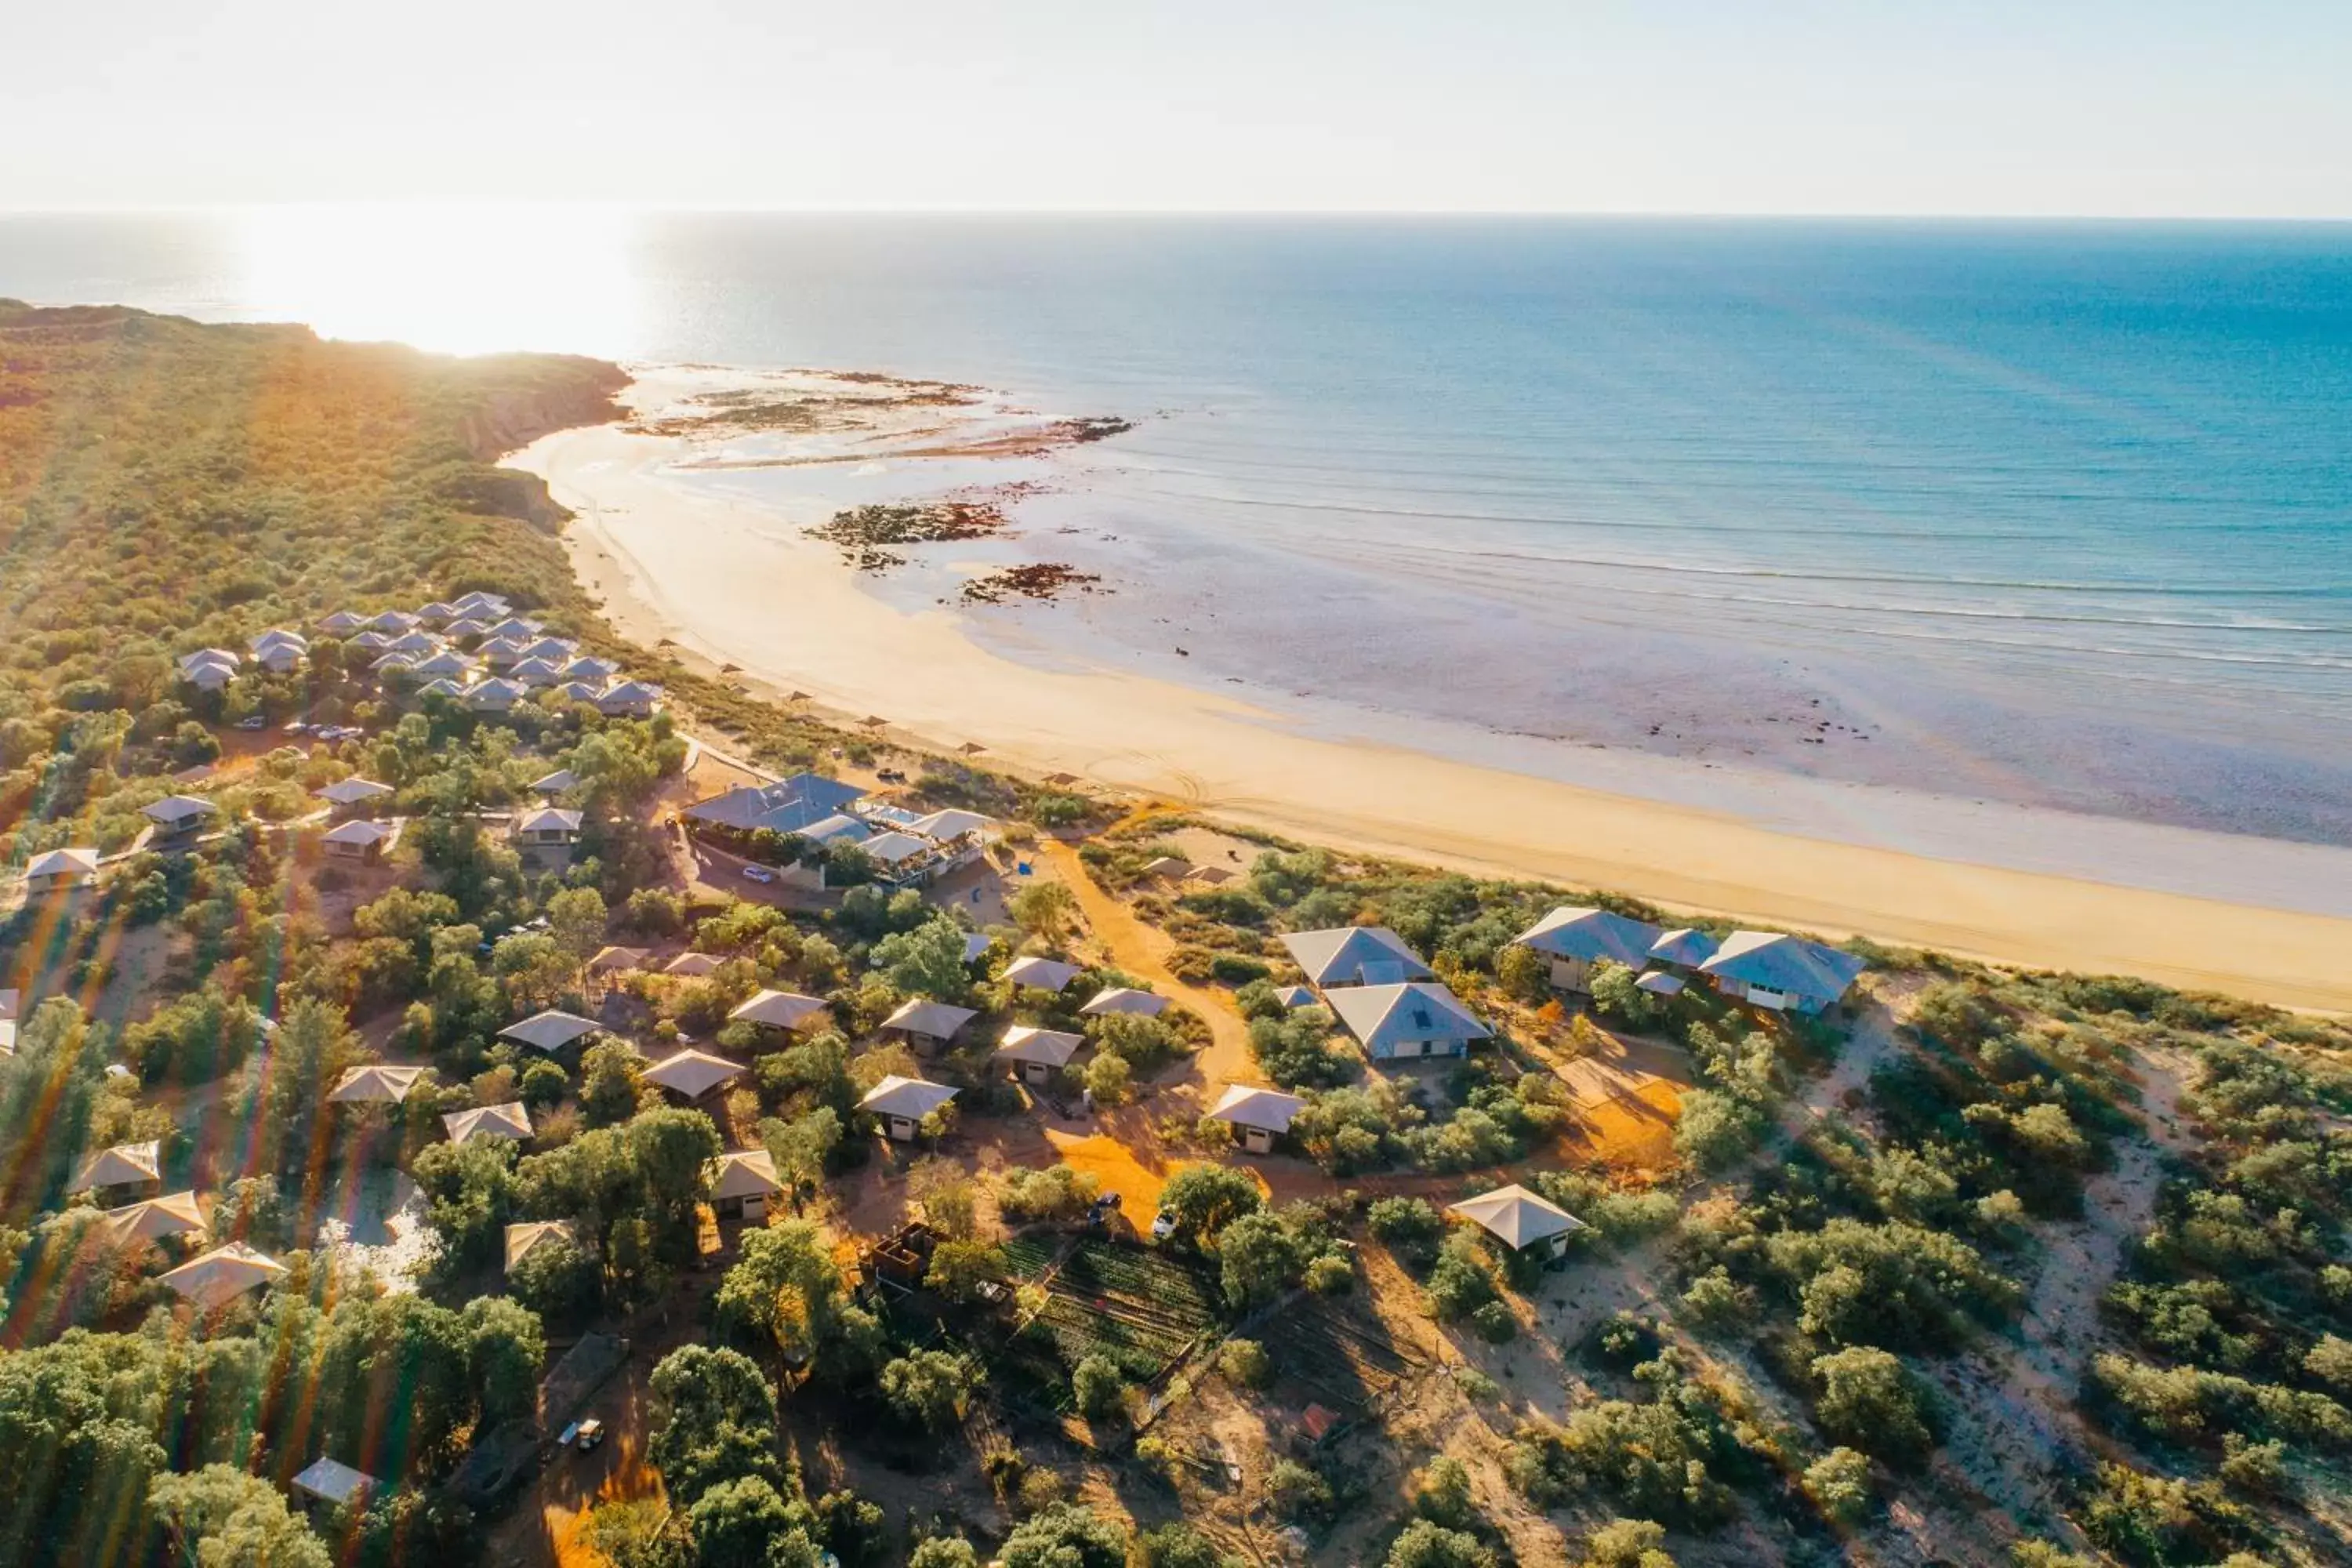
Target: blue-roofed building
789 805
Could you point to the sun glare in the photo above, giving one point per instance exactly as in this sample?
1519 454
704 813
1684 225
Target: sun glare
456 279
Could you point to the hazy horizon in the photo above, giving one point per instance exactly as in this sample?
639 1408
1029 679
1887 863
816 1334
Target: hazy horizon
1832 109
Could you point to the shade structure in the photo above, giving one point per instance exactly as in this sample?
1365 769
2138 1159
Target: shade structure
691 1073
611 959
1269 1109
743 1173
548 1031
1127 1000
1041 974
911 1099
692 965
223 1274
1516 1216
779 1009
125 1164
375 1084
510 1121
1050 1047
524 1239
177 1215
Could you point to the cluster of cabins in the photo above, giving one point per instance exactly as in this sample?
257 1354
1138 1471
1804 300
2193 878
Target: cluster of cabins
1764 969
905 849
475 651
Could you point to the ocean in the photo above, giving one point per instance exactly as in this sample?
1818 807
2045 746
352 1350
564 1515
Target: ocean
2056 515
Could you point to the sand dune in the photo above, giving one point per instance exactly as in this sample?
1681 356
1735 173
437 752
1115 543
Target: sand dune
730 580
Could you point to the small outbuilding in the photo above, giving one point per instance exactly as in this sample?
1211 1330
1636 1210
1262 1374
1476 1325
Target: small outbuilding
616 960
899 1104
692 965
1262 1116
1041 974
1521 1220
353 792
555 783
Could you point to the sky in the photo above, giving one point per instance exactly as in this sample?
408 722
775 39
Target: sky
2076 108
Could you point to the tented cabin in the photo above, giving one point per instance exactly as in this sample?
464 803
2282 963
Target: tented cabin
59 870
929 1025
1521 1220
1575 939
549 825
741 1182
362 840
1035 1055
899 1104
1261 1116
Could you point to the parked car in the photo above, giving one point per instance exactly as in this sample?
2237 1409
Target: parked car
253 722
582 1435
758 874
1163 1225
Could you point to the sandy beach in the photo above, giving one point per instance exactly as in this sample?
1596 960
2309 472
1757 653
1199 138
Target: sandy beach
730 579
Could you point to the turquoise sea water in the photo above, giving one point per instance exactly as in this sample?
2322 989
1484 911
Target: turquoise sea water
2055 513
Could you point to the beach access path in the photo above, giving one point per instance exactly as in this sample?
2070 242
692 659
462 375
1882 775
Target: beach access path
729 579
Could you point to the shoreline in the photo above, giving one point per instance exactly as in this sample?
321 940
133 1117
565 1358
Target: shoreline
733 581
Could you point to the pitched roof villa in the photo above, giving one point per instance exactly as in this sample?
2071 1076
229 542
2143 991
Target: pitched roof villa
788 805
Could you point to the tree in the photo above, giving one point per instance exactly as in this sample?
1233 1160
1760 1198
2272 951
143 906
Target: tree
470 1195
575 919
1524 973
1043 910
1839 1484
1412 1229
557 1280
927 1389
959 1268
1064 1535
1098 1385
948 1197
1616 995
739 1524
1108 1078
612 1083
1176 1545
1627 1544
1259 1258
785 1289
1204 1199
506 1353
1870 1401
222 1518
1425 1544
943 1552
926 962
1443 1495
638 1533
715 1421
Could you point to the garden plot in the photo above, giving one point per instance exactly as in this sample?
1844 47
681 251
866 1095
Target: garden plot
1145 1311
